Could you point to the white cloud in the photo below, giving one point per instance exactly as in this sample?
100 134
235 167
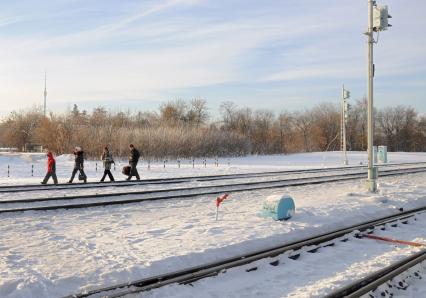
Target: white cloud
6 21
141 56
319 72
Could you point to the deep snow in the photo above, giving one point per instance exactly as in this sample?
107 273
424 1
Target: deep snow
55 253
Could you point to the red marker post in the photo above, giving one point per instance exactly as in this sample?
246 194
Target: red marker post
219 200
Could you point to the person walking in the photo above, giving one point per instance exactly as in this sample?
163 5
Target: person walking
107 161
78 165
51 169
133 162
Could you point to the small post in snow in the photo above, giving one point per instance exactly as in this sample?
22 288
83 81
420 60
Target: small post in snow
178 163
193 163
96 167
219 200
32 170
164 163
149 164
8 171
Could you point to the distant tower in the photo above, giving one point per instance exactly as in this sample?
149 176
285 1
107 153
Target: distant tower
45 94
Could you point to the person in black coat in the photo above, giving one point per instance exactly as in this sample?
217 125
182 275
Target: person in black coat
78 164
133 162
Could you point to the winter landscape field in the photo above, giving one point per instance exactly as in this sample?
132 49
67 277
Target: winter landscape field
237 115
62 252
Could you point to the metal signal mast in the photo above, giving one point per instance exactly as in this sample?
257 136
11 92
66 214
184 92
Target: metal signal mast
377 21
45 93
343 120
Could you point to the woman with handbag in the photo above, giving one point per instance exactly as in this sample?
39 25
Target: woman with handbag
78 165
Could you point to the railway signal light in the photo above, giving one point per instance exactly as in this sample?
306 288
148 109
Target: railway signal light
381 18
346 94
346 110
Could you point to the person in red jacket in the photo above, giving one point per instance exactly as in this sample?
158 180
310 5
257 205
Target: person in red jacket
51 169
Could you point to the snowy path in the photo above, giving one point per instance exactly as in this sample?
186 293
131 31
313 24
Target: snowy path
58 253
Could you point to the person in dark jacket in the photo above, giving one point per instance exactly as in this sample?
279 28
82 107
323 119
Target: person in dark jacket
51 169
78 164
133 162
107 160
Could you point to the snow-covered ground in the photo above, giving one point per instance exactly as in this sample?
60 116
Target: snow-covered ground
21 165
56 253
311 275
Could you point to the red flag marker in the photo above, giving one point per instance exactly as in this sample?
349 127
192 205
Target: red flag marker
219 200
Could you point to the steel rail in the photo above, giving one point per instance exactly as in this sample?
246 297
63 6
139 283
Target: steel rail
375 279
90 185
124 183
144 192
37 187
191 274
201 190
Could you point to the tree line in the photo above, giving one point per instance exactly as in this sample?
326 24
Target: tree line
186 129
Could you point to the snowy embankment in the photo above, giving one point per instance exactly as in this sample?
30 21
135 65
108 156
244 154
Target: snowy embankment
55 253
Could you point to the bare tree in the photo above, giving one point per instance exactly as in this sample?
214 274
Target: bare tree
181 129
303 123
326 124
174 112
198 112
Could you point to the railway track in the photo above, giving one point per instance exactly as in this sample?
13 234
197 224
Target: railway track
118 198
378 278
123 183
291 250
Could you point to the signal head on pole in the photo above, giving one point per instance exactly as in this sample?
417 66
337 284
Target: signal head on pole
380 18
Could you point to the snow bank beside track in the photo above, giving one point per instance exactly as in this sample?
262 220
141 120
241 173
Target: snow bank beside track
67 251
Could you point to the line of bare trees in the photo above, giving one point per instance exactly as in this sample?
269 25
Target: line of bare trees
185 129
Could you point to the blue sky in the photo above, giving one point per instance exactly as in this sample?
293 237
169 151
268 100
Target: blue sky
278 55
